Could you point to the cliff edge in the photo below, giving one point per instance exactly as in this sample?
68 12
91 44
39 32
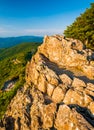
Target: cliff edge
59 89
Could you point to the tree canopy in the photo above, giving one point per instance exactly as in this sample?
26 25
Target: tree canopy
83 27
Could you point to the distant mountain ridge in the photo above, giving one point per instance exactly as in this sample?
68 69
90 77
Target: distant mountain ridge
11 41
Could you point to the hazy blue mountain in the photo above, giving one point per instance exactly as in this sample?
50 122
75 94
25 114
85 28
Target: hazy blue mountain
11 41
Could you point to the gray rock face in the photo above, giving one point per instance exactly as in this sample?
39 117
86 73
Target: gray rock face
59 89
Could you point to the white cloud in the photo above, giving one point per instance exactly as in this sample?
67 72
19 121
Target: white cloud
4 31
43 31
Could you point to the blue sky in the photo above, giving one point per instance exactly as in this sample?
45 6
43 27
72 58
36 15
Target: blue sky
38 17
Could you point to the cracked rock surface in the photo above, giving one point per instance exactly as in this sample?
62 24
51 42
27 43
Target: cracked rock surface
59 89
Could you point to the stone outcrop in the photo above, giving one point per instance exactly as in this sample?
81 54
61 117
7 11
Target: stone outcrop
59 89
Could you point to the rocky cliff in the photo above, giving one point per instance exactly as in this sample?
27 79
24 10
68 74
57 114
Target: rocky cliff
59 89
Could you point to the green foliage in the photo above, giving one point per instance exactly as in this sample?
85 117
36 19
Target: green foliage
12 41
14 59
83 27
15 50
12 64
6 97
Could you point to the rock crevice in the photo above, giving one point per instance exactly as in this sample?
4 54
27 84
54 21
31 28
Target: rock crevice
59 89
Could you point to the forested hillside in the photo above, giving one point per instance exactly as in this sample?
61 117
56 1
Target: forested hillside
12 66
83 27
11 41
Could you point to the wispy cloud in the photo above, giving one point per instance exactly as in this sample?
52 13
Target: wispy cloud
43 31
5 31
2 30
